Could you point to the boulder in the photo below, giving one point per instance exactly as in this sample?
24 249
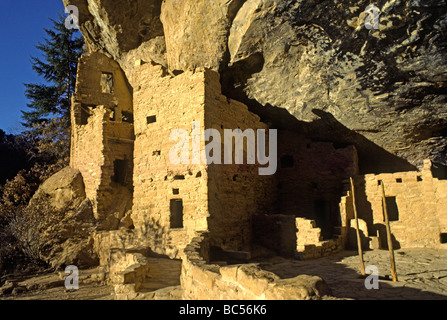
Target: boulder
59 222
64 187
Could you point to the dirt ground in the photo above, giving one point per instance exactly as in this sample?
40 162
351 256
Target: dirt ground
51 286
422 275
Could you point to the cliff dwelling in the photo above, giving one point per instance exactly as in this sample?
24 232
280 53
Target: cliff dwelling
241 150
228 212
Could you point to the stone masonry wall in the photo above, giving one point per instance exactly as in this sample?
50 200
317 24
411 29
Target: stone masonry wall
311 179
420 201
220 198
88 143
235 191
276 232
163 103
102 129
310 243
202 281
92 90
95 147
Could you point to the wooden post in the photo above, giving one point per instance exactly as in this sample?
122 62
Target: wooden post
359 240
388 234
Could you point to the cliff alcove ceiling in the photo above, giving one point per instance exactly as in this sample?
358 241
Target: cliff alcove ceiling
383 90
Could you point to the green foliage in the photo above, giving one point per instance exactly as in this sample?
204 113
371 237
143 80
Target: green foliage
61 50
43 148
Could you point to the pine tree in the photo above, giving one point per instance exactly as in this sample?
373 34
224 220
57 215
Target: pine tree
61 50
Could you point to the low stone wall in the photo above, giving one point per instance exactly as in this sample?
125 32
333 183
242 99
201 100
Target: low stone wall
310 244
105 241
128 270
276 232
203 281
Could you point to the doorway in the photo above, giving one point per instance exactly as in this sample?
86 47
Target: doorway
323 218
176 209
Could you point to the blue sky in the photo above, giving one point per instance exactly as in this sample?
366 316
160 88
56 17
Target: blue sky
21 28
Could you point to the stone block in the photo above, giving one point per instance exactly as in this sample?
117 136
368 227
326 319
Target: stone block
229 273
254 280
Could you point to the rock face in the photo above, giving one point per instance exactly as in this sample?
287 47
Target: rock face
387 85
118 26
62 222
309 66
197 32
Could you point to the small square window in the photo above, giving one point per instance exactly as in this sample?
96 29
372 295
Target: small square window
399 180
175 191
127 116
151 119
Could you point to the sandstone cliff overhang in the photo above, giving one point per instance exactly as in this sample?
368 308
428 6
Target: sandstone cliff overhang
305 65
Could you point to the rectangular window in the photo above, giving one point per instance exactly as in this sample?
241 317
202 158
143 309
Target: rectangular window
86 112
127 116
176 208
120 171
106 82
84 116
151 119
391 206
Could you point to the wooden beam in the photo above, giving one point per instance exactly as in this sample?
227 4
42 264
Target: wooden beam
388 234
359 240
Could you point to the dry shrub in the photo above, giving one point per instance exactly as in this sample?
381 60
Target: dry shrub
48 148
29 226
